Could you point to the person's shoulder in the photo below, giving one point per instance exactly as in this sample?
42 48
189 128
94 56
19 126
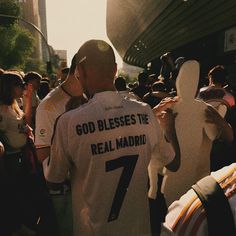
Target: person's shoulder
138 104
53 93
77 113
52 97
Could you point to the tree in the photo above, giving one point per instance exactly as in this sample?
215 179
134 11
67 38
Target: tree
9 7
32 64
16 43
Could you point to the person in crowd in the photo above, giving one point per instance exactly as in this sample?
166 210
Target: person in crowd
32 80
168 71
187 216
61 77
157 93
21 205
106 144
217 77
64 97
223 153
143 85
44 89
120 84
121 87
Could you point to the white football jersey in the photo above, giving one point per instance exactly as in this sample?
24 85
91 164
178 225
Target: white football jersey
52 106
107 144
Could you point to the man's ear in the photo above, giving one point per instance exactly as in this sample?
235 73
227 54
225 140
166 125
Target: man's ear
82 71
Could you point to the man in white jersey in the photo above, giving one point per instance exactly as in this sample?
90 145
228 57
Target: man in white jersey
107 144
187 217
52 106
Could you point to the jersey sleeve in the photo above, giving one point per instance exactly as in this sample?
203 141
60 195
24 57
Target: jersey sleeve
185 217
56 170
44 127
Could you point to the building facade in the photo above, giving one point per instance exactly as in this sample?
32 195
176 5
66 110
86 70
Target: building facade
142 31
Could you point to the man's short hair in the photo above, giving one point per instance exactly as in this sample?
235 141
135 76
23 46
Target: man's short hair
96 53
218 74
32 75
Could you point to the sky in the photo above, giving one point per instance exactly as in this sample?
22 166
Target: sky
72 22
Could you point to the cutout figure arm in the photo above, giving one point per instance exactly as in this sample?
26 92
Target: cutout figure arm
167 121
166 118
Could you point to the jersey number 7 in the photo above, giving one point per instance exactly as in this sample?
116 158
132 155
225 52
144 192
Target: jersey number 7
128 162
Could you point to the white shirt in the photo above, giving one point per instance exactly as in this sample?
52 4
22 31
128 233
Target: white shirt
52 106
13 127
186 216
107 143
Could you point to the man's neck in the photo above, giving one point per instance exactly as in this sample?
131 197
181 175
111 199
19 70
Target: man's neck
72 87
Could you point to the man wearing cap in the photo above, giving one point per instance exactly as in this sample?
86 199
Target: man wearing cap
107 144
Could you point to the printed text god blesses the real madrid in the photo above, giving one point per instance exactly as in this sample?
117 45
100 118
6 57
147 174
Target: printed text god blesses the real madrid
110 124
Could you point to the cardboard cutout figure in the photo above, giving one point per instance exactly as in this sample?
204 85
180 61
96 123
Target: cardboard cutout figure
194 135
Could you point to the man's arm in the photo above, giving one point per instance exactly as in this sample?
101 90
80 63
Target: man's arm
43 152
57 167
43 131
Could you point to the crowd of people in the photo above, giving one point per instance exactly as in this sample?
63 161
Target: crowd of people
91 154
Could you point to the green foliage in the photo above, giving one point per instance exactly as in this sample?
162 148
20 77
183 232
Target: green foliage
16 45
55 61
34 65
9 7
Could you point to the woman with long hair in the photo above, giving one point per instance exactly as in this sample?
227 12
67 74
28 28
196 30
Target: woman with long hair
19 167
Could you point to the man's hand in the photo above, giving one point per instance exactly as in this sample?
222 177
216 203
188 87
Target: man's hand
165 104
